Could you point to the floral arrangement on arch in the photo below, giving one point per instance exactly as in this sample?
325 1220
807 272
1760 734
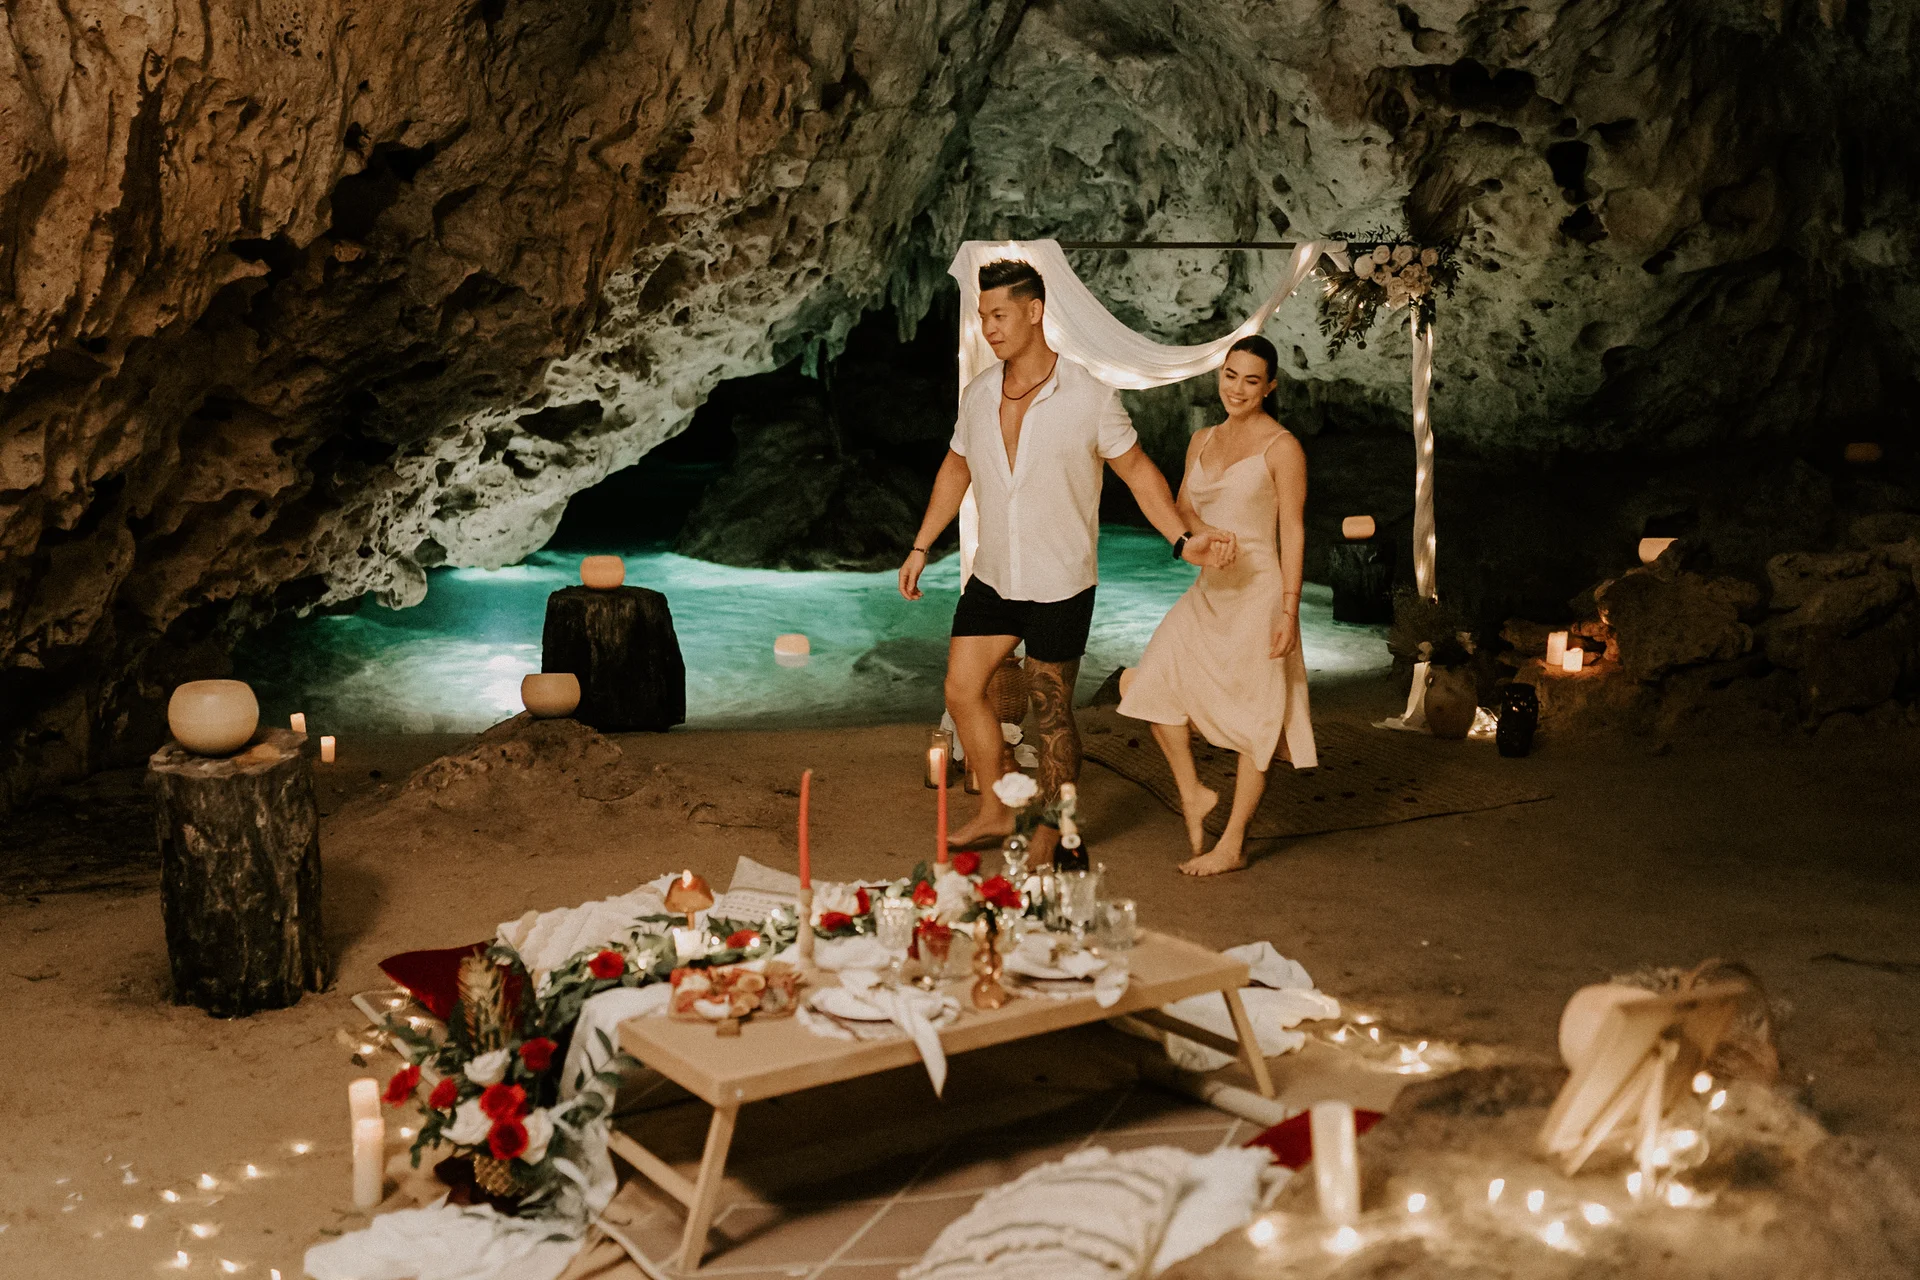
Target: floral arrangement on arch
1388 271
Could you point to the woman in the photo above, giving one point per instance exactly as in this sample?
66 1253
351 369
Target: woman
1226 659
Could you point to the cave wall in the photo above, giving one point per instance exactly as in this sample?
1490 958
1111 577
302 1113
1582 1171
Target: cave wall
299 300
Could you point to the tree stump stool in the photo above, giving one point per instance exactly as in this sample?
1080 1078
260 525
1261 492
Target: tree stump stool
1361 575
621 646
240 874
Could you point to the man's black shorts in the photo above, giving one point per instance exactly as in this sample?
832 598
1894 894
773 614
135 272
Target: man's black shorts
1055 631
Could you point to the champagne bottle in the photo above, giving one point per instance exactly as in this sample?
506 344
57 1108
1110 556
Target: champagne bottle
1071 853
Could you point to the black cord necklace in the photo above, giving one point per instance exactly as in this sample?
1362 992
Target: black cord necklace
1030 390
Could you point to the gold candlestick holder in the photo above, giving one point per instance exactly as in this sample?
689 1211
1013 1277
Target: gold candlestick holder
803 944
987 991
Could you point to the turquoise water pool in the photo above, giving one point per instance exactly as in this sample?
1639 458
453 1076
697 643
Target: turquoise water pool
454 662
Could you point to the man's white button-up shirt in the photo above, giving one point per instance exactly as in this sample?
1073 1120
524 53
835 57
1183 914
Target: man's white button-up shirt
1040 518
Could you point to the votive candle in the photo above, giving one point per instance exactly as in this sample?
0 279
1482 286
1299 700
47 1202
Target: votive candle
326 748
298 721
1336 1162
1556 648
689 943
806 859
363 1099
369 1162
1575 658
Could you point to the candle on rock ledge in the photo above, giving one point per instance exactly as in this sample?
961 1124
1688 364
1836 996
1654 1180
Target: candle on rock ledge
1556 648
298 722
369 1162
1575 658
326 748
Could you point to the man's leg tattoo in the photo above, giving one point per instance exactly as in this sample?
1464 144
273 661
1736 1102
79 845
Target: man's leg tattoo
1052 685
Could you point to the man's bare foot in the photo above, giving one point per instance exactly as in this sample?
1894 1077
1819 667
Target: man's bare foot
982 830
1194 807
1228 855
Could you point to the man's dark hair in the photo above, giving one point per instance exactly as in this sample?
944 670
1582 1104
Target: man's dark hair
1019 279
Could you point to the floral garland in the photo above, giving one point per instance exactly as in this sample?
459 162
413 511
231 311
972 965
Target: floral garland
1387 272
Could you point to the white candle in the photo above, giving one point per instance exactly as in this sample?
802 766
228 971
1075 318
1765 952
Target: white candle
689 944
1651 548
1556 648
369 1162
1574 659
363 1099
1336 1162
298 722
326 749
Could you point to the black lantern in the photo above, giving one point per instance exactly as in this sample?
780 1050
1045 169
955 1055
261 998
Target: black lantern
1519 717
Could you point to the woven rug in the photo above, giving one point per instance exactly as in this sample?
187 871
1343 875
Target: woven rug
1367 777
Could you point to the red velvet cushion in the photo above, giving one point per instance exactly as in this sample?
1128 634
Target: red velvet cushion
1291 1141
432 977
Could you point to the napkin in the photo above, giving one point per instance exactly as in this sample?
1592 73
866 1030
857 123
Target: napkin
910 1009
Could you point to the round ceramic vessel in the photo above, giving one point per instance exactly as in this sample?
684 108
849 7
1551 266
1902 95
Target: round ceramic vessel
213 717
1585 1012
603 573
549 695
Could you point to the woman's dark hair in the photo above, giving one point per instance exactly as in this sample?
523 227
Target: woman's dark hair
1259 346
1018 278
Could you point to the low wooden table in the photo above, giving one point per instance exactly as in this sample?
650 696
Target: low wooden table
777 1057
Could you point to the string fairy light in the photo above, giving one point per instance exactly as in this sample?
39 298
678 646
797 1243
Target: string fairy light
1495 1190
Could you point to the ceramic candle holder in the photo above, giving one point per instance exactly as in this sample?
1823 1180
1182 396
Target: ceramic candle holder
213 717
603 573
550 694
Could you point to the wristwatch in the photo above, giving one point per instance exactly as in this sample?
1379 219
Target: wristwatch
1180 544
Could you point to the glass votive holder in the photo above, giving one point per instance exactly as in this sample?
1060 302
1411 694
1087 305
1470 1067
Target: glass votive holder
939 756
1079 894
1118 925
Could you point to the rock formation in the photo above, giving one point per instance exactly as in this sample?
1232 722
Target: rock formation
299 301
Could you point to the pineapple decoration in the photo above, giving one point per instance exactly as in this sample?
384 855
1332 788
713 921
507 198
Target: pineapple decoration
488 1015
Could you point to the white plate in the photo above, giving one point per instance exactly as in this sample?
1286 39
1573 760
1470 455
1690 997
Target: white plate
841 1003
1026 966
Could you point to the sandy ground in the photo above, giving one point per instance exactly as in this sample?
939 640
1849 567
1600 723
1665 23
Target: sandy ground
1798 857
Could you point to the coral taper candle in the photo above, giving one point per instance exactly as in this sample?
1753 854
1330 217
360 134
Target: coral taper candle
806 861
940 821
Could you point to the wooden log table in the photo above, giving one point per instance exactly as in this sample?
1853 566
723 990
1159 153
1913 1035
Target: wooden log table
778 1057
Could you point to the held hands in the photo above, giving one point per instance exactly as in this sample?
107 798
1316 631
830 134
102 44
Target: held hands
910 574
1210 548
1286 636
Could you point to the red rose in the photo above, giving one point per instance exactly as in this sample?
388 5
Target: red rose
996 890
834 921
508 1139
401 1087
743 938
862 903
608 964
444 1095
503 1102
925 895
538 1053
966 863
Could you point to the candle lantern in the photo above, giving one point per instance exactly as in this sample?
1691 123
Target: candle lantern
603 573
213 717
689 894
1519 717
939 757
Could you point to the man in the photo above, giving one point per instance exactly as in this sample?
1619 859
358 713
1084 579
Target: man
1033 437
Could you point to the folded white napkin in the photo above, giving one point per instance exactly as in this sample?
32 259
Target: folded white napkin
910 1009
1283 996
443 1242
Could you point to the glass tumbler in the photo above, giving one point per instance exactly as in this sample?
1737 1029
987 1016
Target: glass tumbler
1118 926
893 920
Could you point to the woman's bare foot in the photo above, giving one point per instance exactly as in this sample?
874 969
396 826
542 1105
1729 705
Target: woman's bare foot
980 831
1195 805
1228 855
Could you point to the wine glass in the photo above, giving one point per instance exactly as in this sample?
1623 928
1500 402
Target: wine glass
893 920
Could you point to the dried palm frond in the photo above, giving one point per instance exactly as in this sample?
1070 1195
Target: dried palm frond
480 1015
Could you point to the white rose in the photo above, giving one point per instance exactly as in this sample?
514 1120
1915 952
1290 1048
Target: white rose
844 898
539 1132
470 1125
1016 790
955 895
1011 734
488 1068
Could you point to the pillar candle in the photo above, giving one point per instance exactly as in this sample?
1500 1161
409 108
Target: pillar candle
940 854
1336 1162
298 722
369 1162
1556 648
806 860
689 944
1574 660
363 1099
326 748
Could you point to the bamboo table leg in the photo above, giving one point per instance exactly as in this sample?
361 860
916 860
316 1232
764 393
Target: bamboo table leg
1249 1043
706 1188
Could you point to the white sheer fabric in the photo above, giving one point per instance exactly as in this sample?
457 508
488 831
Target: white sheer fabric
1079 327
